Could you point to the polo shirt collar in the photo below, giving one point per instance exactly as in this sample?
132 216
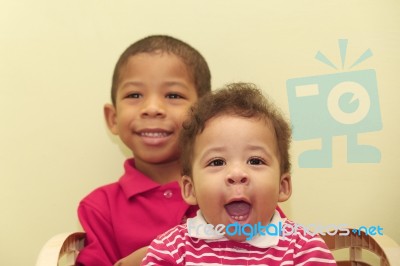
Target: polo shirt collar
196 228
134 182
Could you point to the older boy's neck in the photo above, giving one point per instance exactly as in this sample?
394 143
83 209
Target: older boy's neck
160 173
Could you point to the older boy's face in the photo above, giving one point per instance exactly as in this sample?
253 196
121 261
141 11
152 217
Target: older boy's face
236 173
154 93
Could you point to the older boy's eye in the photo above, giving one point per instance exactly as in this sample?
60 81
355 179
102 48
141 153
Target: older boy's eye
255 161
217 162
174 96
133 95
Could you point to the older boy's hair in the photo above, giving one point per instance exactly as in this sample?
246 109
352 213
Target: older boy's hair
195 63
239 99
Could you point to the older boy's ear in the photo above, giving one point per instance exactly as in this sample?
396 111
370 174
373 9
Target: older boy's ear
110 114
285 187
187 188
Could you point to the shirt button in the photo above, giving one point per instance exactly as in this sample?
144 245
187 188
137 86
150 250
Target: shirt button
168 194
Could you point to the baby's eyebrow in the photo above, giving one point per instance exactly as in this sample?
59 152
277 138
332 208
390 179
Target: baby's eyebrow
251 147
211 150
258 148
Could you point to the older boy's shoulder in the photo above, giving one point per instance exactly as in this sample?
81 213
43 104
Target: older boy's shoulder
102 194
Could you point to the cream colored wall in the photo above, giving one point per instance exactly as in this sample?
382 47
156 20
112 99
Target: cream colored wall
56 60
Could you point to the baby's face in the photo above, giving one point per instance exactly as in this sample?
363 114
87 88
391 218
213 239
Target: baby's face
236 173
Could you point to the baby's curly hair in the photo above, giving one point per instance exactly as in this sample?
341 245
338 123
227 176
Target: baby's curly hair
238 99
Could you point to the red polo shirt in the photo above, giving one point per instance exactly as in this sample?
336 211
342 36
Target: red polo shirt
122 217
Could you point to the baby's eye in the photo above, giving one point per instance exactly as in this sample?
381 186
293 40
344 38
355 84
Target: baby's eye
216 162
255 161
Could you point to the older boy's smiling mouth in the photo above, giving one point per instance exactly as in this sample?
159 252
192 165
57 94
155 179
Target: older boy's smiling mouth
154 136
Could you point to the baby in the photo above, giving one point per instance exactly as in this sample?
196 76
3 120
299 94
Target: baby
236 167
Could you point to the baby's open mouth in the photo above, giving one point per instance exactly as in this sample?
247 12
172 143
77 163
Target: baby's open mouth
238 210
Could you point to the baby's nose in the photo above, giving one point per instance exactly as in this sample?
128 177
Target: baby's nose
237 176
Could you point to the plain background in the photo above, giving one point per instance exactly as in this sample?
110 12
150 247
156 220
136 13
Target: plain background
56 62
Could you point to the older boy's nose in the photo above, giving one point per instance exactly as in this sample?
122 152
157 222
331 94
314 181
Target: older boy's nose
153 107
237 177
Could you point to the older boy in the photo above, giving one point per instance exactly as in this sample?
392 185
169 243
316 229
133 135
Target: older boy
155 82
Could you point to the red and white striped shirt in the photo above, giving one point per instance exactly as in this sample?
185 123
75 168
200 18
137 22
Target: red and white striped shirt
178 247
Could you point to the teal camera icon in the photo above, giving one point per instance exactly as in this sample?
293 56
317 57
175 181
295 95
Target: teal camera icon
341 104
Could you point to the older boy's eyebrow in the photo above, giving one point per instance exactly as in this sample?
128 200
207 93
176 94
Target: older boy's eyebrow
176 83
141 84
132 83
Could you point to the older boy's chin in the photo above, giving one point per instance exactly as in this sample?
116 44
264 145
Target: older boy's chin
157 155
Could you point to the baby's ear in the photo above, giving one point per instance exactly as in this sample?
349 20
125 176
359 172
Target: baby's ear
110 114
285 187
187 188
